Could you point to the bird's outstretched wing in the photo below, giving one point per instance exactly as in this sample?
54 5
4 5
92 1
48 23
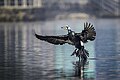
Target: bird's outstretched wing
57 40
88 33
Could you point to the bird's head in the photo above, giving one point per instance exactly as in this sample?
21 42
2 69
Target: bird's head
66 27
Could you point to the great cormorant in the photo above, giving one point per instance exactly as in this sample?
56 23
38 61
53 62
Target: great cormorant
76 39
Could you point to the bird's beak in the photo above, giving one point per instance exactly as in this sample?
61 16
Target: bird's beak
64 27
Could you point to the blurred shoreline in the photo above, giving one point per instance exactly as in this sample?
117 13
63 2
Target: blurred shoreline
42 10
42 14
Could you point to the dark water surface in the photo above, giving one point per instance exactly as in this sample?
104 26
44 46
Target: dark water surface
23 57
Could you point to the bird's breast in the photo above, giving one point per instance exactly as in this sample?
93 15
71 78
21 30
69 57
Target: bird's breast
82 44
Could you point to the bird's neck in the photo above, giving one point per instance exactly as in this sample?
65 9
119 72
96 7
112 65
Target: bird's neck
71 35
69 31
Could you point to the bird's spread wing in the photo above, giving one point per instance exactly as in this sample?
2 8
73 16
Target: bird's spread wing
62 39
88 33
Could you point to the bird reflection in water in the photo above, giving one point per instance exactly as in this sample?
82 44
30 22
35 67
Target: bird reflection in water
79 67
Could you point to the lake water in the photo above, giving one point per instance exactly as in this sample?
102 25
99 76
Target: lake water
23 57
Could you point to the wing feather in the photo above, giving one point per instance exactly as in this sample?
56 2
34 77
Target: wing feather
88 33
57 40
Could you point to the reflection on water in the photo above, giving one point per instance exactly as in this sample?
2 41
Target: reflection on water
23 57
107 48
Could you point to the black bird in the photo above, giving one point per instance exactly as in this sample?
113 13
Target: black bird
76 39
